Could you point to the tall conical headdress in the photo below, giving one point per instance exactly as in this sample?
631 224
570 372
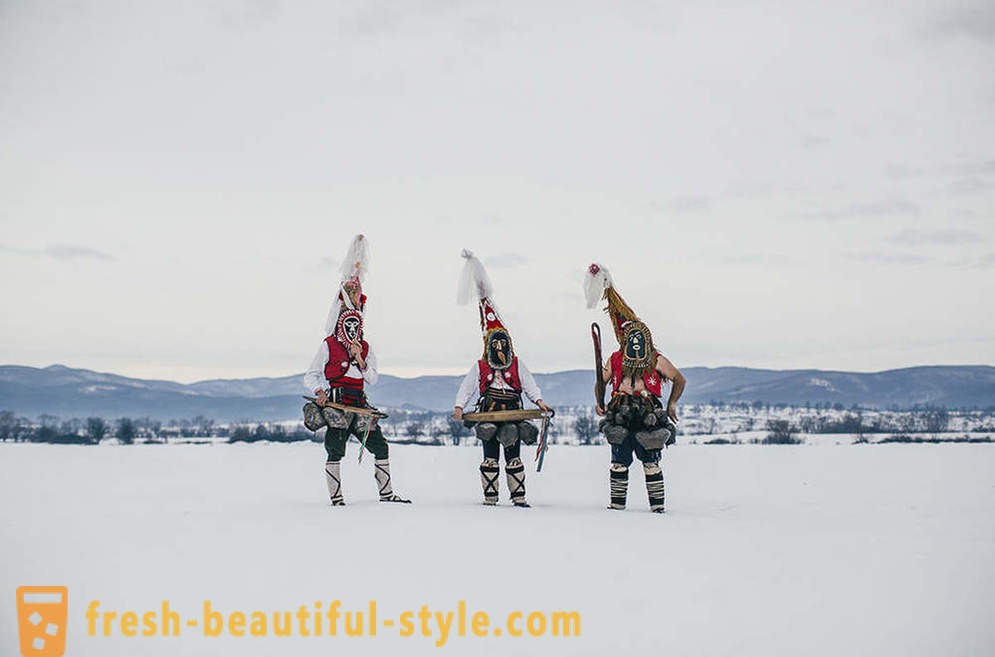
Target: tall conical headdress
475 283
349 295
633 336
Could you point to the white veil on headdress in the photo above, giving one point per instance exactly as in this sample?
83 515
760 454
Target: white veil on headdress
474 283
598 284
353 270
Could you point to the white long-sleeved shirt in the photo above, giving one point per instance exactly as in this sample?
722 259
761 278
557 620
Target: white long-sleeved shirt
314 378
471 384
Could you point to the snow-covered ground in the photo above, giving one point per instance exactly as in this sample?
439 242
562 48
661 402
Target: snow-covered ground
764 550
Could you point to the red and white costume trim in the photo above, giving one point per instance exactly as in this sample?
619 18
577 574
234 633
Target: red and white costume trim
474 382
315 379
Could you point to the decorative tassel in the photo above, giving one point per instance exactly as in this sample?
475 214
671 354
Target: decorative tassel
357 259
596 281
473 281
598 284
619 312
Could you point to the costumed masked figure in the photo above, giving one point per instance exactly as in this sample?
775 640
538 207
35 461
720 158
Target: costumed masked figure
635 420
345 361
498 379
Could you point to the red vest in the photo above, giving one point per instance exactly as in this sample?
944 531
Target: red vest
510 374
651 379
338 364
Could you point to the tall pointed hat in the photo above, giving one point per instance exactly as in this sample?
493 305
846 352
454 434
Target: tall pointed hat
634 338
475 283
349 298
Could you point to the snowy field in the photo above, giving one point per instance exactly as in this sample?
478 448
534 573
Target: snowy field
803 550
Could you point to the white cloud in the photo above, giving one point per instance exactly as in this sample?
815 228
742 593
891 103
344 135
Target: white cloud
59 252
505 260
867 209
946 237
72 252
975 21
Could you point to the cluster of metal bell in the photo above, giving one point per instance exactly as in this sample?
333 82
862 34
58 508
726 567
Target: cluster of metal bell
634 416
629 416
507 433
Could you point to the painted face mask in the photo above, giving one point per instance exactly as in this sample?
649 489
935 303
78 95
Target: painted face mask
635 346
499 352
350 327
638 355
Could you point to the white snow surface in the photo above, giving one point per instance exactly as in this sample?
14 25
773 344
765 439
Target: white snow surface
764 550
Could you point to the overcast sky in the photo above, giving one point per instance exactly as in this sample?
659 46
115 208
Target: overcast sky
780 186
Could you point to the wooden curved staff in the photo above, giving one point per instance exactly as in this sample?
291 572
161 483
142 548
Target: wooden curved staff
358 410
599 382
513 415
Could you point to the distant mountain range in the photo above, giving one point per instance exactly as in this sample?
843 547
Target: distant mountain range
67 392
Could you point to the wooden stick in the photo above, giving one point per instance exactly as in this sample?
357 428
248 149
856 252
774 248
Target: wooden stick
358 410
599 383
543 445
508 416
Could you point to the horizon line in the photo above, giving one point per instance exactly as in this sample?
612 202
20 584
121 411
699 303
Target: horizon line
420 376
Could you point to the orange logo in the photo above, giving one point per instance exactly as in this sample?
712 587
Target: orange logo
41 620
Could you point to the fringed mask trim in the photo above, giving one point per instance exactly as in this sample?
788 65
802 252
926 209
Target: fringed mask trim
498 350
349 328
